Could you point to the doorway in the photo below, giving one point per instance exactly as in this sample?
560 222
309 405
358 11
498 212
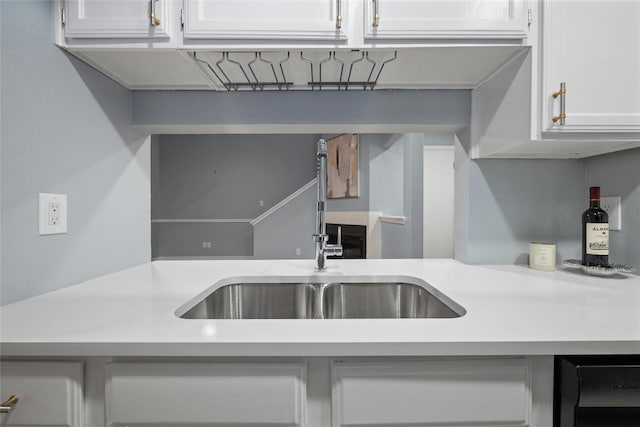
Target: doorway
438 201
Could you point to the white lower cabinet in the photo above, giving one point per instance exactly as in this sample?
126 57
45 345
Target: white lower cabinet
212 394
50 394
433 393
293 392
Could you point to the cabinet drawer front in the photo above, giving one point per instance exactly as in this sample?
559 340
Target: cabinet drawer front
452 393
214 394
49 393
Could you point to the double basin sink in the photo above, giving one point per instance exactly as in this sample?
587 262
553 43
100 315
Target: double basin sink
318 297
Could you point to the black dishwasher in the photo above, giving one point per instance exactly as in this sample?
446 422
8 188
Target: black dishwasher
597 391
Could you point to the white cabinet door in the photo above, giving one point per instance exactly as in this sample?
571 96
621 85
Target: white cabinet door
49 394
116 19
265 19
212 394
452 393
445 19
594 47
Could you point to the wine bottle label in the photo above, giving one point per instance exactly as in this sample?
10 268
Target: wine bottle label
597 238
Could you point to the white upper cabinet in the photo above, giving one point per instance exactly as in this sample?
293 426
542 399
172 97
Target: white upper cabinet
574 94
159 44
116 19
265 19
594 48
446 19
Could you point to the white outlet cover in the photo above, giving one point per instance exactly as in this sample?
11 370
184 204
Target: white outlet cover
613 207
44 202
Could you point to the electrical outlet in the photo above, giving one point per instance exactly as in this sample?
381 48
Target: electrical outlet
298 251
53 216
613 207
52 213
261 203
206 245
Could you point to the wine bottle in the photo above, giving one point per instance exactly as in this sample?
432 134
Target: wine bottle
595 232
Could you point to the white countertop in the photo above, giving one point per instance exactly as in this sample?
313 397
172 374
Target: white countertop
510 310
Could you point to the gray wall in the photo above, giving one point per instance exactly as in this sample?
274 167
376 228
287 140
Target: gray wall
514 202
413 199
618 174
290 228
213 178
386 176
226 176
510 202
319 112
65 129
1 134
502 205
405 240
222 177
210 239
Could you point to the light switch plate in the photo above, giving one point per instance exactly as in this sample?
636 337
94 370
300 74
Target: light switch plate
52 215
613 207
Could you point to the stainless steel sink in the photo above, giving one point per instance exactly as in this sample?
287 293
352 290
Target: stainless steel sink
323 297
257 301
382 300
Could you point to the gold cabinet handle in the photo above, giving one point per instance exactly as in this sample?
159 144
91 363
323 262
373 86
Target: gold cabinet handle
154 20
562 90
7 405
338 14
560 118
376 13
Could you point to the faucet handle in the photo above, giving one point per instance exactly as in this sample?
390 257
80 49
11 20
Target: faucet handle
335 250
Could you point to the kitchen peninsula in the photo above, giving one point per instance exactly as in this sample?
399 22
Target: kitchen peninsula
119 337
509 310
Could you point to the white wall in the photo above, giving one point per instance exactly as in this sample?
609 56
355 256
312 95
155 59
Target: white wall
65 129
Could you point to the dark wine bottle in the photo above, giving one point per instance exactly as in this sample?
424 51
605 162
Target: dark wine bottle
595 232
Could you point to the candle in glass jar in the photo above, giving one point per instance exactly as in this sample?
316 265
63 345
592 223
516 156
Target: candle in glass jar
542 256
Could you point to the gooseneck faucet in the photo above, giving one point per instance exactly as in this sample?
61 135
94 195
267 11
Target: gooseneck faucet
320 237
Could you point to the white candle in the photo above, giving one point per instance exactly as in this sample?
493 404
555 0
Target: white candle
542 256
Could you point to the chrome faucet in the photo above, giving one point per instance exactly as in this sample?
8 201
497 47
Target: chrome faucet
323 249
